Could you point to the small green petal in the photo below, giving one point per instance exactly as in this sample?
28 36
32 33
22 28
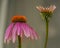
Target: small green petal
42 16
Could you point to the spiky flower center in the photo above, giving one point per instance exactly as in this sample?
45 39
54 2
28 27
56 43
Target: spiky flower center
19 19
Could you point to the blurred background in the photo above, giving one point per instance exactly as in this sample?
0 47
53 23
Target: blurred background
9 8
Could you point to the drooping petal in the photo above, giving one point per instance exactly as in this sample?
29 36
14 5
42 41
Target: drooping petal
26 29
20 30
9 37
14 32
33 33
8 32
21 33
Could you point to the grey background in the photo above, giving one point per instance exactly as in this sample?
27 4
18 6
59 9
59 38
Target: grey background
28 8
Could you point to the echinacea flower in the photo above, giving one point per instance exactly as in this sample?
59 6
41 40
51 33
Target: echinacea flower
19 27
46 12
46 15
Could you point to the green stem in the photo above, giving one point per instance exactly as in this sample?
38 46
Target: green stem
46 39
19 42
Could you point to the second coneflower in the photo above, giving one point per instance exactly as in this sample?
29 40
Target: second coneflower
46 14
19 28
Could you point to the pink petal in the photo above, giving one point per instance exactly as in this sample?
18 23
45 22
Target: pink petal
8 32
14 32
26 29
52 7
20 31
40 8
9 37
33 33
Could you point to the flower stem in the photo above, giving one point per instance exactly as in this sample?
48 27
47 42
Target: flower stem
19 42
46 39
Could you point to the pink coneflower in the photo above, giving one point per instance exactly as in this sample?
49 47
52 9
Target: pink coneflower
46 15
48 9
19 27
